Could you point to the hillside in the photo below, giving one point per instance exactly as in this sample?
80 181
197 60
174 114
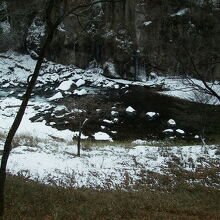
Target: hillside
109 109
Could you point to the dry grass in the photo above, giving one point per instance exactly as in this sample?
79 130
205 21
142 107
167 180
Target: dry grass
30 200
88 144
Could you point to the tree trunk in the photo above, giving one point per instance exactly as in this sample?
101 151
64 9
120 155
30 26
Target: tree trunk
18 118
79 141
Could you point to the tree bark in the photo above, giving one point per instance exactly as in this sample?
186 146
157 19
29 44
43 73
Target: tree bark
79 143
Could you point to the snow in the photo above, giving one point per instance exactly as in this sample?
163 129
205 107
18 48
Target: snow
5 27
56 96
116 86
46 163
101 136
60 108
180 12
167 131
130 110
8 109
108 121
152 114
52 72
61 27
146 23
180 131
65 85
171 122
185 89
51 161
80 92
114 113
139 142
35 34
115 120
76 134
80 82
110 66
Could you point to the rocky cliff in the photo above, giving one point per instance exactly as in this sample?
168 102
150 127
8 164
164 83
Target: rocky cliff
130 38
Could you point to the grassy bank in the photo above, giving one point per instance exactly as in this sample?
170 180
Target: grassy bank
31 200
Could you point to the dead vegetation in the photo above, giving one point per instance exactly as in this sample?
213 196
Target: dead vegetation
31 200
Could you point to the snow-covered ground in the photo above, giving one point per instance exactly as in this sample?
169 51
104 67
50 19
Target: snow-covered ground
15 69
52 159
106 166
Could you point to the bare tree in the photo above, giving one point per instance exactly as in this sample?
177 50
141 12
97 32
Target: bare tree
8 143
91 109
53 18
205 87
196 48
189 44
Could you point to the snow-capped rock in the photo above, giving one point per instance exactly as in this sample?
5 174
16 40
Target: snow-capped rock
56 96
80 82
130 110
146 23
108 121
60 108
80 92
115 120
180 131
171 123
65 85
114 113
116 86
168 131
101 136
196 136
180 12
152 115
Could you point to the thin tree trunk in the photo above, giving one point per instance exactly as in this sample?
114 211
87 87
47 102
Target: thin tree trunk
81 126
79 142
18 118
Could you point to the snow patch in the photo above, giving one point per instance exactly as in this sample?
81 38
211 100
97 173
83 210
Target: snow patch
130 110
146 23
139 142
56 96
152 114
80 92
171 122
80 82
168 131
65 85
180 12
180 131
101 136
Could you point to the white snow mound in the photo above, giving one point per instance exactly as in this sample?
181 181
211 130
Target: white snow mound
101 136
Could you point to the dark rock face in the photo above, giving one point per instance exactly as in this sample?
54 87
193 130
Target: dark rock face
138 36
20 16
